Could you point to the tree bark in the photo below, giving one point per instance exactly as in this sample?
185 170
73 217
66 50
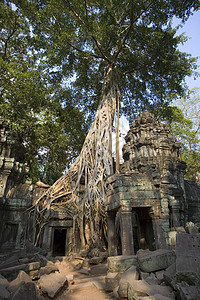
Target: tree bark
92 166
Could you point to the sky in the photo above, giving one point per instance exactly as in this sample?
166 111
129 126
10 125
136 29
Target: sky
192 46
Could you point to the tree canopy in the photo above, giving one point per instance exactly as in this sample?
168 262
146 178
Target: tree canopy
54 59
35 109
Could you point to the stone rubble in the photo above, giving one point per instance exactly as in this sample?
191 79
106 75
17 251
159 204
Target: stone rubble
148 275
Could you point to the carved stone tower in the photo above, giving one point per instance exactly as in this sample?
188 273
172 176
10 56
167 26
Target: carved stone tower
145 202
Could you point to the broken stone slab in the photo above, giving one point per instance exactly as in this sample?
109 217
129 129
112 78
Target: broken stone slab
143 275
141 288
84 271
34 275
152 261
152 280
98 270
41 259
169 275
96 260
159 275
10 262
3 282
12 272
86 263
33 266
4 293
189 292
131 274
123 290
47 270
51 284
26 291
121 263
20 280
112 281
188 253
70 277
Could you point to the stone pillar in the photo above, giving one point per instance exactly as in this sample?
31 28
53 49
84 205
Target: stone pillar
126 232
175 211
161 232
112 241
48 239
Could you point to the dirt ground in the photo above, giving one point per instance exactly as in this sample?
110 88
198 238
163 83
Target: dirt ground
83 286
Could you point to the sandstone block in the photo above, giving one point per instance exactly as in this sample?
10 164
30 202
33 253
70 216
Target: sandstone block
10 262
12 272
123 290
169 274
34 275
121 263
189 292
33 266
84 271
130 274
47 270
141 288
151 261
3 282
51 284
27 291
98 270
112 281
20 280
4 293
187 253
70 277
96 260
86 263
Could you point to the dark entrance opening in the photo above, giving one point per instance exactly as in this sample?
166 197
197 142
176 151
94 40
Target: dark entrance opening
59 242
143 235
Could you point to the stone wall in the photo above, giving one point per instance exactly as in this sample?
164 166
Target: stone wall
15 191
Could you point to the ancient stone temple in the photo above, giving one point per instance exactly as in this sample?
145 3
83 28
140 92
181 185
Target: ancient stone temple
146 201
15 191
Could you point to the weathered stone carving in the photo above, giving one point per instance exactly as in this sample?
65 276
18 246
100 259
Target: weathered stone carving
15 193
149 192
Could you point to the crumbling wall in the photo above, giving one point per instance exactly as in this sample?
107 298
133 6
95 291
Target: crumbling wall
192 191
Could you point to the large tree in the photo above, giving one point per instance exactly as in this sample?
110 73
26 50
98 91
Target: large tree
108 51
41 114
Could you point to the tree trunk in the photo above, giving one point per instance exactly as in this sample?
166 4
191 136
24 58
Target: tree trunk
91 167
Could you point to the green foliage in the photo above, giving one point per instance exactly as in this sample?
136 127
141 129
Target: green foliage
43 116
54 55
135 38
186 126
184 120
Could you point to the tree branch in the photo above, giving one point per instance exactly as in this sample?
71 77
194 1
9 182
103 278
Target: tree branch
9 37
98 44
132 21
82 51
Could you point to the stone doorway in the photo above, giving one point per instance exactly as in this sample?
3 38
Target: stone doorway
59 242
143 235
